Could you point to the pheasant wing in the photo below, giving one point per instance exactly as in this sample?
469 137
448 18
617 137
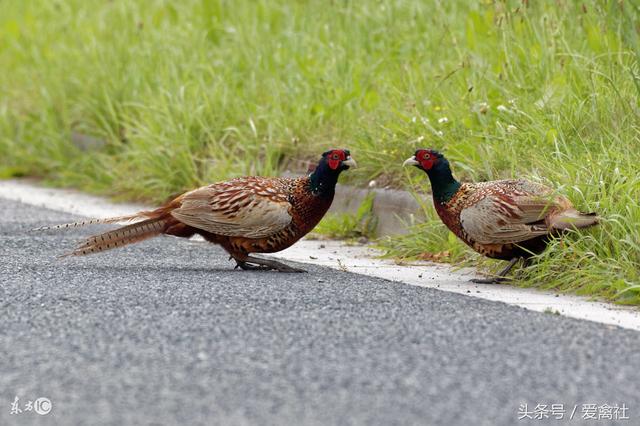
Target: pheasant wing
510 212
241 208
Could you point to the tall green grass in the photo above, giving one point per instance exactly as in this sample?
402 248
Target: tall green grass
173 95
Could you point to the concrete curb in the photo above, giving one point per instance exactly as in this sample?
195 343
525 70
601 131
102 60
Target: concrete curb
392 208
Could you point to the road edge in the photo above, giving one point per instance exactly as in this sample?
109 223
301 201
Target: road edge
358 259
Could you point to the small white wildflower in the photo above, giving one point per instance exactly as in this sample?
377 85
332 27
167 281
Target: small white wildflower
443 120
511 128
424 120
373 184
440 133
413 119
502 108
420 139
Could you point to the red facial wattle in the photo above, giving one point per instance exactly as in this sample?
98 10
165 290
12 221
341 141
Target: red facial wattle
426 163
335 158
426 160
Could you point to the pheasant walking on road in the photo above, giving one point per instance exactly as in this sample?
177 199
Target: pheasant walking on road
244 215
503 219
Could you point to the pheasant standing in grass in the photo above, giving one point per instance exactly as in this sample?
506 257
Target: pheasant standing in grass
244 215
502 219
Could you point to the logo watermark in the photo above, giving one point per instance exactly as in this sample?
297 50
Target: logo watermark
577 411
40 406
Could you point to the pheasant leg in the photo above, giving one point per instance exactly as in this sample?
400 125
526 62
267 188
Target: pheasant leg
258 264
500 277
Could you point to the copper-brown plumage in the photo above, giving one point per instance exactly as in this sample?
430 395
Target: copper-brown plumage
244 215
503 219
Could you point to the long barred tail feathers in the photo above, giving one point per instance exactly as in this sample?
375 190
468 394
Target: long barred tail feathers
120 237
108 220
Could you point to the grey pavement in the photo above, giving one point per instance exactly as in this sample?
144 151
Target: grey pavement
166 332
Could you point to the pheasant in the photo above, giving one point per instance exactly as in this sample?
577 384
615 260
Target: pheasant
244 215
502 219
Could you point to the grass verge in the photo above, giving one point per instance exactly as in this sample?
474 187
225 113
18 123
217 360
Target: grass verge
140 100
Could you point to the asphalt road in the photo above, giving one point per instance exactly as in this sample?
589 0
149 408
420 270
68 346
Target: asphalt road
166 332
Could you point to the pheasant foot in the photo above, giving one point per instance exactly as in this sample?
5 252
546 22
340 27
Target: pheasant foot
490 280
257 264
500 277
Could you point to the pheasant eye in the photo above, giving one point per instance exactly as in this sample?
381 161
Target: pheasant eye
335 157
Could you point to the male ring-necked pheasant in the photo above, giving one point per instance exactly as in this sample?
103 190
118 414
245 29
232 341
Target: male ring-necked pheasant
502 219
244 215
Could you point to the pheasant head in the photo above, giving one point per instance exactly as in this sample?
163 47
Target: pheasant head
426 159
324 177
437 167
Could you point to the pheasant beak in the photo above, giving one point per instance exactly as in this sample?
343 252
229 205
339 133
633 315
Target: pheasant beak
350 162
410 162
